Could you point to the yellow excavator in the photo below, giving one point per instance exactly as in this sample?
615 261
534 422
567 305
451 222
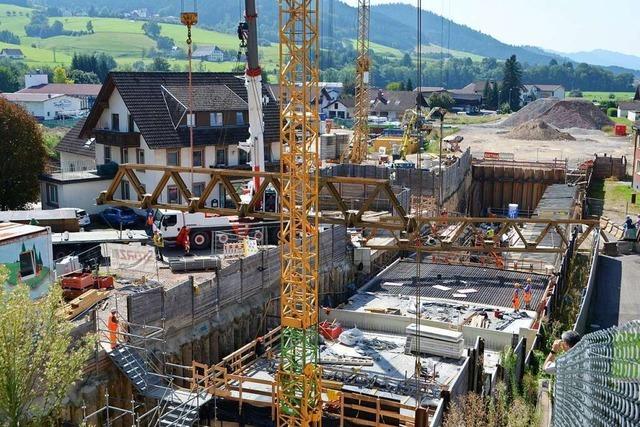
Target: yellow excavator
415 125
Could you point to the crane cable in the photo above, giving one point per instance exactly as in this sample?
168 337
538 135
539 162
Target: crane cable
418 364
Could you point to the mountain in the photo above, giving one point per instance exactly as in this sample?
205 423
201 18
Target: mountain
393 25
606 58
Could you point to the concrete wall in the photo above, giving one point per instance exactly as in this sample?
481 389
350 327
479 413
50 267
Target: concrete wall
81 195
70 162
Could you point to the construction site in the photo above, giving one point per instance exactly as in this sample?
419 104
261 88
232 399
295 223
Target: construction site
362 281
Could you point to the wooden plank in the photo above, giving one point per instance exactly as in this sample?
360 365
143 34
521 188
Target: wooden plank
82 303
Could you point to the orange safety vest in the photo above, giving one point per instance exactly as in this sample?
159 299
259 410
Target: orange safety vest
112 325
527 297
516 301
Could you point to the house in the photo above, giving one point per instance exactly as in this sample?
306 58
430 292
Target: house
340 108
76 154
11 53
142 118
38 83
26 251
532 92
393 103
209 53
46 106
629 110
73 189
476 87
467 99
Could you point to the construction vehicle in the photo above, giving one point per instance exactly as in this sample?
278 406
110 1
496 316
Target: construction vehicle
248 35
414 127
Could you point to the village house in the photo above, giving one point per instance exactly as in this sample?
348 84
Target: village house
45 106
11 53
142 118
39 83
532 92
209 53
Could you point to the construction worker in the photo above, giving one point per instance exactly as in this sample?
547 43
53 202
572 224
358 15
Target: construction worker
516 300
158 241
528 295
187 243
113 324
149 223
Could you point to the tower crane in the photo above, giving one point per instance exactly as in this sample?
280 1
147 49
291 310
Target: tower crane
248 35
363 62
299 375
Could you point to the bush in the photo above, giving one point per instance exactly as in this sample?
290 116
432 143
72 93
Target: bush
612 112
505 108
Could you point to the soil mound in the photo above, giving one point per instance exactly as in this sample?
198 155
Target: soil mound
531 111
538 130
576 114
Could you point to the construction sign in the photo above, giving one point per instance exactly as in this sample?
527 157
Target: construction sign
130 257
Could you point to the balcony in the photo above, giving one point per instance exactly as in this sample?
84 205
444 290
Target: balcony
115 138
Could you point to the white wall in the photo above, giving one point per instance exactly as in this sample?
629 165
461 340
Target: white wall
76 195
116 106
559 93
76 162
50 108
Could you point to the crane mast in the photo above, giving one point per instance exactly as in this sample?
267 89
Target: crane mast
248 35
299 374
363 63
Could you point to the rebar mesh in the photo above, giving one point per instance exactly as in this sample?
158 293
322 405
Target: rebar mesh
598 381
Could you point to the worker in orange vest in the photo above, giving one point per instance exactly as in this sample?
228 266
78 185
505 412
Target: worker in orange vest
528 295
516 300
113 325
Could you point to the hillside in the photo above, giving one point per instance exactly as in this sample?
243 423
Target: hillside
394 24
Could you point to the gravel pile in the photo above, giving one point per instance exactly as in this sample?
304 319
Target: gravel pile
538 130
530 111
576 114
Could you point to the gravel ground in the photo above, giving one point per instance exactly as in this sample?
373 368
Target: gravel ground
483 138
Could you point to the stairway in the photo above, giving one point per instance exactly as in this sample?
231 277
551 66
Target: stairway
178 407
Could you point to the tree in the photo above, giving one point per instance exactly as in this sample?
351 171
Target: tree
164 43
512 82
409 84
90 29
60 75
393 86
495 96
406 60
151 29
160 64
441 100
9 37
8 80
22 157
92 11
39 359
83 77
490 95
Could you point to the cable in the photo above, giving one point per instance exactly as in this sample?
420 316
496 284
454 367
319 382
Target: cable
418 365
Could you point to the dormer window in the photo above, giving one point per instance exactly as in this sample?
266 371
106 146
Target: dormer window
215 119
239 118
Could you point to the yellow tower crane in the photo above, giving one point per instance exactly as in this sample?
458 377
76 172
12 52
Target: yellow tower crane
299 374
360 141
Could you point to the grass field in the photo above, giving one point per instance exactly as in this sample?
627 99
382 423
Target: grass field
604 96
461 119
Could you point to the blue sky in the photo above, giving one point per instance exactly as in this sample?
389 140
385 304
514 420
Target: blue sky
562 25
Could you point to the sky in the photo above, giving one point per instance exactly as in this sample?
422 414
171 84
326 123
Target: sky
561 25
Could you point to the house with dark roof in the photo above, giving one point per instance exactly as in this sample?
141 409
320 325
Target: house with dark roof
144 117
467 99
393 103
11 53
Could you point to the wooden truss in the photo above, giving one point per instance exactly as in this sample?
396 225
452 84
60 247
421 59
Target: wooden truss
411 232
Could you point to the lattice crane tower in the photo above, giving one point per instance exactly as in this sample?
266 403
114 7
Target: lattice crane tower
299 375
363 63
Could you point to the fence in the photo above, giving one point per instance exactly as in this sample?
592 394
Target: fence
581 322
610 167
598 381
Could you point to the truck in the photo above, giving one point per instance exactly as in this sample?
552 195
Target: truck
204 227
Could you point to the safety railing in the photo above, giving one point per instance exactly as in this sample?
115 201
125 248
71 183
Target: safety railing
598 381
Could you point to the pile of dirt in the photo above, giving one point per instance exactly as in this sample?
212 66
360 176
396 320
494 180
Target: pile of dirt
530 111
576 114
538 130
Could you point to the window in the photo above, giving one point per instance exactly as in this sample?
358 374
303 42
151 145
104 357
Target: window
52 195
124 155
173 157
221 157
191 120
239 118
215 119
131 124
27 265
198 158
140 156
335 106
243 157
173 195
107 154
125 189
169 220
115 122
198 189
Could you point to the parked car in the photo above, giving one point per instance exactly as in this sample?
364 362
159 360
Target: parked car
83 218
117 217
